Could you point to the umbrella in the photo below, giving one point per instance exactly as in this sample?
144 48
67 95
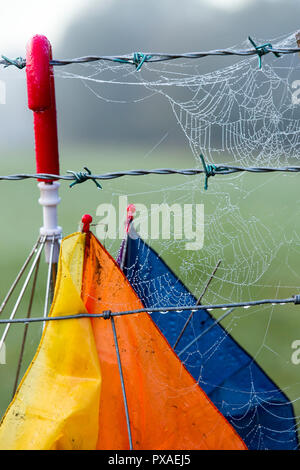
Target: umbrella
111 382
221 366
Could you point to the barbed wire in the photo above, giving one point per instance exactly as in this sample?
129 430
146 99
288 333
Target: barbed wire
208 170
139 58
163 310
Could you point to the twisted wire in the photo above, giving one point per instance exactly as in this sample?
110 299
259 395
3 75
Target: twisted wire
216 170
139 58
106 315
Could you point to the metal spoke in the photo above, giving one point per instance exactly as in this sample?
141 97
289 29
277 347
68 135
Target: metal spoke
122 382
38 254
206 331
49 279
53 281
122 262
198 303
208 282
26 328
14 284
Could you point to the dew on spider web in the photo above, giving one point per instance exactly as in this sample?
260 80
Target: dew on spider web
237 115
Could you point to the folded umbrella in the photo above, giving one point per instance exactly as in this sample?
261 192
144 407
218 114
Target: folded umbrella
144 398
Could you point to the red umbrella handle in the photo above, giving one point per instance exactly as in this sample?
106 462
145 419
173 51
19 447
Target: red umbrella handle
41 100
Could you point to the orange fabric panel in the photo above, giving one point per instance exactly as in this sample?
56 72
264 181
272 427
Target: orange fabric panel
167 408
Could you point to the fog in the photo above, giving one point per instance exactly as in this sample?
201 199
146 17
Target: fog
119 27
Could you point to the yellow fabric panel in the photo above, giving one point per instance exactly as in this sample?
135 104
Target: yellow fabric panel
57 403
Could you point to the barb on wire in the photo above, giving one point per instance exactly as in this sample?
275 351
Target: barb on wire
263 50
291 300
211 170
81 177
19 62
139 58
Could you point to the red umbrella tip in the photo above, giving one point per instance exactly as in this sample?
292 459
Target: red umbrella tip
86 220
130 210
130 215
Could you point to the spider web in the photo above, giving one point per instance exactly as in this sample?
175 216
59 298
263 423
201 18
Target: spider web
239 115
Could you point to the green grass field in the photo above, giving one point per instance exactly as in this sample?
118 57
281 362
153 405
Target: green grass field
253 226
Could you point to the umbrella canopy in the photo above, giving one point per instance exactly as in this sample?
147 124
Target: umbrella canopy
65 402
255 406
56 405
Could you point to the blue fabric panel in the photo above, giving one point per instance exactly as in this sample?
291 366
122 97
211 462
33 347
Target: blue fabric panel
258 410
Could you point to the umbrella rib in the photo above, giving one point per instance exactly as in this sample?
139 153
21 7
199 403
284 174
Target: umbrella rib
216 322
37 256
14 284
53 281
122 382
198 303
26 327
124 252
49 279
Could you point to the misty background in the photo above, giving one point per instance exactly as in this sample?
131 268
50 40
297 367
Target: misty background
113 27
